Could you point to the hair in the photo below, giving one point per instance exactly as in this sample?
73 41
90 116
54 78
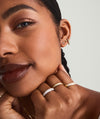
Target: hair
53 7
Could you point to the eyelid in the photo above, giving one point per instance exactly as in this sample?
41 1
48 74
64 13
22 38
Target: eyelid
19 21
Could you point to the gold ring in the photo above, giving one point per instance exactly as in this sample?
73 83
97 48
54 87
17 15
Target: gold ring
57 84
70 84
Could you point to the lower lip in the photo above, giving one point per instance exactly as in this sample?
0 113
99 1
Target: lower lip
14 76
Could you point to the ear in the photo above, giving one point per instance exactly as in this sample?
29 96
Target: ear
65 32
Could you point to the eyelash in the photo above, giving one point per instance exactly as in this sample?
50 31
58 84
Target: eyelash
23 25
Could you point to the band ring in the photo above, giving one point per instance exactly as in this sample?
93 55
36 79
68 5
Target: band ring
57 84
47 91
70 84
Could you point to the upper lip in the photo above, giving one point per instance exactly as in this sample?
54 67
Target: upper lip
11 67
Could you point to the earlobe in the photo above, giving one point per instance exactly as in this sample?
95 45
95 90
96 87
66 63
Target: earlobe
65 32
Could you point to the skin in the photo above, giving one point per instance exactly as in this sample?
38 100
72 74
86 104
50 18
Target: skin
38 43
42 46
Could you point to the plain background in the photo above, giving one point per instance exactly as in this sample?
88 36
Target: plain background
83 53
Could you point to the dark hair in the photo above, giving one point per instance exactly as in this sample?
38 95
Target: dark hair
53 7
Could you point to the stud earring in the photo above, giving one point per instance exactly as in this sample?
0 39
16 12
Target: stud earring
66 41
63 43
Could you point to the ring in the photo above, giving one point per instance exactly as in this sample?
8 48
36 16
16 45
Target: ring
57 84
70 84
47 91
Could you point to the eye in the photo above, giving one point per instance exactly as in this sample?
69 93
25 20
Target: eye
23 25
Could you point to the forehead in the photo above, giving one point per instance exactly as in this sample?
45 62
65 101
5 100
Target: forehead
5 5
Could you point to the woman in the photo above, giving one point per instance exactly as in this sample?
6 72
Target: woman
34 83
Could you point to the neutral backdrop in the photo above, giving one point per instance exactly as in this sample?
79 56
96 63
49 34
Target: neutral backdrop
83 53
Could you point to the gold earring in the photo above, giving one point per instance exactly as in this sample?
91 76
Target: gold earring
63 43
67 41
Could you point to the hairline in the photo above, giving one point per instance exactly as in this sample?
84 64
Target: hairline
43 5
51 14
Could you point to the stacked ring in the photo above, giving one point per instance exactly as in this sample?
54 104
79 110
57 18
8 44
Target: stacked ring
57 84
47 91
70 84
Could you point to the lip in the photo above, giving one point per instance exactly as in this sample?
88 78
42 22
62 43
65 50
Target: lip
11 73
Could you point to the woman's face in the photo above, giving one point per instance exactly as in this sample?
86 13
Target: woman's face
28 36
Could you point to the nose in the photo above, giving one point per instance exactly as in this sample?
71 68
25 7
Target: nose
8 45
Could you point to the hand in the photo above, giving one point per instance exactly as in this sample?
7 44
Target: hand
62 103
6 102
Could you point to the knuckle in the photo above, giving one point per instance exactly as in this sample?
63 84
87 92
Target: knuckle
62 106
74 98
78 97
49 109
77 94
56 109
70 101
6 100
59 106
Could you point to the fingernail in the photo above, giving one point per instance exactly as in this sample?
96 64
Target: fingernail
61 67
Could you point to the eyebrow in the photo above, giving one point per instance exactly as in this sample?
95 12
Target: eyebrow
16 8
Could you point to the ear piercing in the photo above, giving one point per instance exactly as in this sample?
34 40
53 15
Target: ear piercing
65 41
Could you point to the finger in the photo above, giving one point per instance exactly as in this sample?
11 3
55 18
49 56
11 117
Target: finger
49 96
61 90
53 80
6 108
63 76
37 98
16 105
6 101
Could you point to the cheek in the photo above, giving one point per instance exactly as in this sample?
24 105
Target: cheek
44 49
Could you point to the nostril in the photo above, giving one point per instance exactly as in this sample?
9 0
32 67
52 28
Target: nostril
7 53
